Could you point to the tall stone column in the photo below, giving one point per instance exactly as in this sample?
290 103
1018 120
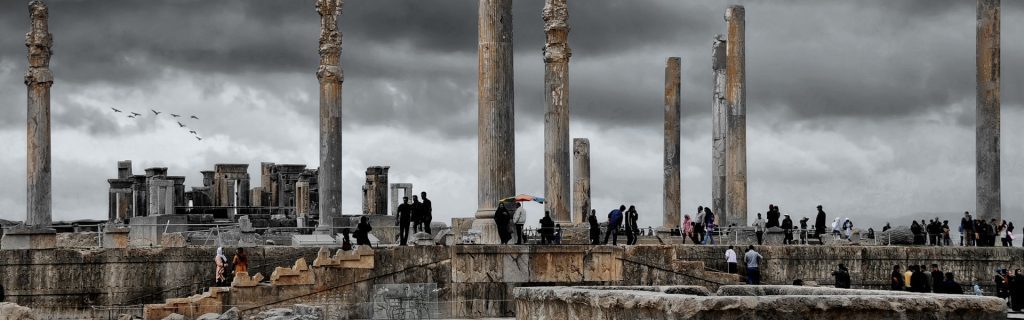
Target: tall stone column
496 175
556 115
581 178
38 79
736 134
719 125
671 202
989 205
331 78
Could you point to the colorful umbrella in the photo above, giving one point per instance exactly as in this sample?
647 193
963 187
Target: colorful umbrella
523 198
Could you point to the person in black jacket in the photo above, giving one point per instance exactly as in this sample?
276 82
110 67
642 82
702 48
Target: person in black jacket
896 279
501 220
547 229
404 218
950 286
773 216
819 224
842 276
595 228
787 227
937 278
918 280
362 233
426 211
1017 291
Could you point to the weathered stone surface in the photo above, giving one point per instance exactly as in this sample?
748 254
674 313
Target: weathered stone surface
331 79
672 191
39 80
736 134
11 311
581 179
298 274
231 314
173 240
556 106
175 316
242 279
78 240
898 235
987 144
719 126
359 258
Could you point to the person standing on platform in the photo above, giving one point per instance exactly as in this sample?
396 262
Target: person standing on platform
753 261
937 278
687 231
632 230
428 211
519 218
614 221
709 226
404 218
730 259
698 225
240 261
967 230
787 228
547 229
759 229
362 233
819 225
417 215
595 228
501 219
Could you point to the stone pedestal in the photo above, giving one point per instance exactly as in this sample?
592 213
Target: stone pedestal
488 231
29 238
115 236
422 239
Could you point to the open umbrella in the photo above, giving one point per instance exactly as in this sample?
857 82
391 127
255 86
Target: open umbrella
524 198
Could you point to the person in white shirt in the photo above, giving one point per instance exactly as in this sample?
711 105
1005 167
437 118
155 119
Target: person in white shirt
519 219
730 257
759 229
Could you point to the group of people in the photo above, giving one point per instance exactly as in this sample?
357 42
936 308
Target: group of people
240 262
511 223
789 228
1010 287
977 232
701 228
416 215
917 278
934 232
621 219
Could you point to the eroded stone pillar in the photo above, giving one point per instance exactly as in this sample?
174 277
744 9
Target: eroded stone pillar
331 78
671 202
496 176
719 125
989 205
39 80
736 134
375 196
556 115
581 178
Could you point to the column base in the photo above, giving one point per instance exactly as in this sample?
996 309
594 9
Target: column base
116 236
488 231
29 238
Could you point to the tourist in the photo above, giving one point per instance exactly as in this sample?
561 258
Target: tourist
945 232
871 233
221 262
919 280
687 228
835 229
896 278
996 231
362 233
773 217
547 229
730 259
906 277
966 230
819 224
753 259
629 224
417 214
950 286
650 231
918 233
848 229
1001 233
404 217
709 226
346 244
501 220
1009 235
240 261
1017 291
759 227
595 228
632 216
698 226
1002 281
842 276
519 218
937 278
803 230
614 221
427 211
787 229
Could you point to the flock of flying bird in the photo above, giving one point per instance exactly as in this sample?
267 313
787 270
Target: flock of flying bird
134 115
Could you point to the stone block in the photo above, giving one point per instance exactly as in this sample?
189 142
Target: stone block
422 239
115 237
11 311
173 240
29 238
78 240
603 264
298 274
556 266
515 267
243 280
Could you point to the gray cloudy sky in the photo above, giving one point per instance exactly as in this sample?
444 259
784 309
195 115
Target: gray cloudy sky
866 107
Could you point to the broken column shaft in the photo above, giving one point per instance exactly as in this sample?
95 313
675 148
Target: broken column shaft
671 202
38 79
736 134
581 178
496 118
989 205
556 115
719 126
331 78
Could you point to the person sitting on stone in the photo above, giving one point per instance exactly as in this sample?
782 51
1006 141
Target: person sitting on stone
950 286
842 276
362 233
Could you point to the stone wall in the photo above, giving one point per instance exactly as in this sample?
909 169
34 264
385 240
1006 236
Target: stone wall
472 281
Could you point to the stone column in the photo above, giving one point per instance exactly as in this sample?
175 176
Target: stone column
581 178
671 202
331 77
496 176
989 205
736 134
556 115
719 125
38 79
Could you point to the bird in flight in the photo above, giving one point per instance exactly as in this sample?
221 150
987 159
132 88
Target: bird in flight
174 115
192 132
155 112
181 125
194 117
131 116
136 114
115 109
198 138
